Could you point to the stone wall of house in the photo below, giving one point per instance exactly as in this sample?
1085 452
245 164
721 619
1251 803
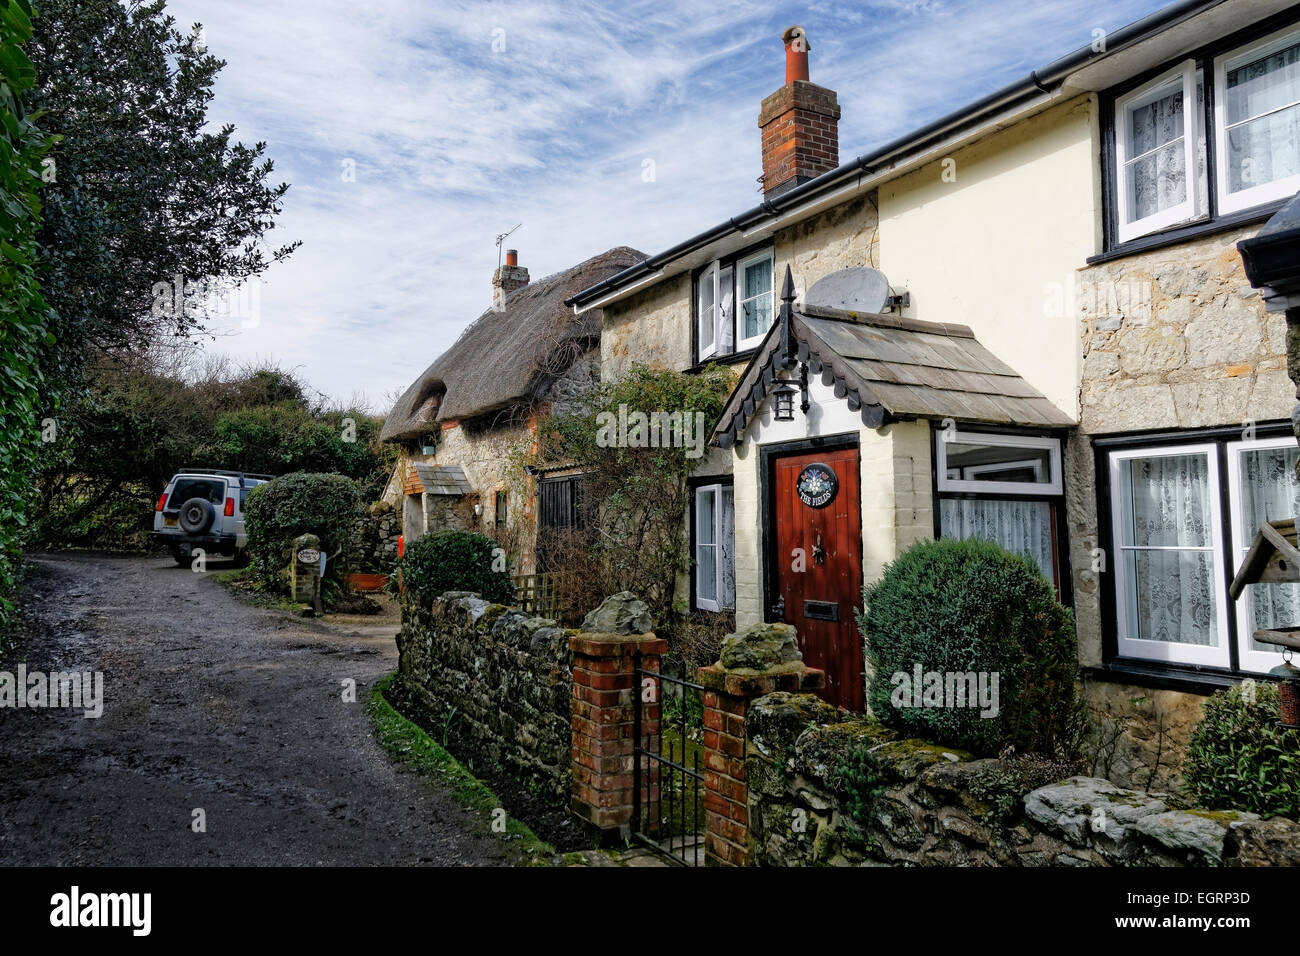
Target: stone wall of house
497 682
1173 338
653 326
844 236
934 806
373 545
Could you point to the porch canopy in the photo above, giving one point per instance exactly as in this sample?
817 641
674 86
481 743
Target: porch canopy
887 369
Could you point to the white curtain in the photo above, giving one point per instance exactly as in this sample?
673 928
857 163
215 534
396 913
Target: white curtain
1167 506
726 310
727 549
1157 180
1022 527
1264 147
1269 492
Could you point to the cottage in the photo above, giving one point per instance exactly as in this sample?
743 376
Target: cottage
466 424
1027 321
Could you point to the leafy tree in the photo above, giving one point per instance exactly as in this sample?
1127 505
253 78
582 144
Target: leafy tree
144 191
24 315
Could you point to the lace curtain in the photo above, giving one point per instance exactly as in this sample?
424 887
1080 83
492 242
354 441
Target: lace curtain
1022 527
1262 148
727 549
1171 592
1157 180
1269 492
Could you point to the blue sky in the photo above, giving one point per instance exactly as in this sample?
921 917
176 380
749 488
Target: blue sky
462 119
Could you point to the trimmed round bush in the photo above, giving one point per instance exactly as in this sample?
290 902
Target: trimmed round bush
275 513
1240 759
951 608
457 561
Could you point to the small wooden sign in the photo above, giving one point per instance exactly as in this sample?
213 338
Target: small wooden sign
817 485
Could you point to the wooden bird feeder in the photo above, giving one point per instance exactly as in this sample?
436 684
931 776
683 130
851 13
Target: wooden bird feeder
1274 558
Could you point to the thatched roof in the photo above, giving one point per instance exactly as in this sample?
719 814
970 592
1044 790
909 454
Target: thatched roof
509 357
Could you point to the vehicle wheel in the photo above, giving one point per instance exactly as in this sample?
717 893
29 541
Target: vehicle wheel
196 516
179 558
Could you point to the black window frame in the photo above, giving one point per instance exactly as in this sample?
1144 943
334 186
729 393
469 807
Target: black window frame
501 507
1212 222
1180 675
731 259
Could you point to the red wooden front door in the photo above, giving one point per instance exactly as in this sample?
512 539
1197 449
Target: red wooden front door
818 563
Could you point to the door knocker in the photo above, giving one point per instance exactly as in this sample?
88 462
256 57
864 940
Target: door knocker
819 554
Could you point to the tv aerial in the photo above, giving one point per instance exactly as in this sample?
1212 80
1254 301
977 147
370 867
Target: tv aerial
502 238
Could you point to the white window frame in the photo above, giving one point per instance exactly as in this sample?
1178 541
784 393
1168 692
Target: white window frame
1265 192
1002 488
716 490
1248 659
738 276
708 277
1189 208
1170 652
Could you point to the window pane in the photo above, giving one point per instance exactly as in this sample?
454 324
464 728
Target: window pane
1171 596
1022 527
1155 124
727 521
706 584
758 278
705 520
758 316
1269 492
1266 84
969 461
726 312
1166 502
1157 181
1264 149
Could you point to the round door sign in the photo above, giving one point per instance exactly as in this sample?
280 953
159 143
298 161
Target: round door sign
817 485
309 556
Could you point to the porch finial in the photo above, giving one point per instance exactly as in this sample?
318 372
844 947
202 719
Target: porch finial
788 348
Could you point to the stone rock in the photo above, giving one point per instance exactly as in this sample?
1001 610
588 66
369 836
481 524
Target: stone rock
821 747
1089 811
1220 337
773 723
1134 408
1274 842
760 646
1195 837
621 613
1100 364
1211 403
1159 349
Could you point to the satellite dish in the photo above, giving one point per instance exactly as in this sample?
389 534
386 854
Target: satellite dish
859 289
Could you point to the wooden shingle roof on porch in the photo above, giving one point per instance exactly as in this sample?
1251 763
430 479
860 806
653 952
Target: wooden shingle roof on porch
887 369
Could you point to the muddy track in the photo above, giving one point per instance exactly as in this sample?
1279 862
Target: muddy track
209 704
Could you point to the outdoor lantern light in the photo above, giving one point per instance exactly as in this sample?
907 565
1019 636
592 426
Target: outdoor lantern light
783 403
1289 690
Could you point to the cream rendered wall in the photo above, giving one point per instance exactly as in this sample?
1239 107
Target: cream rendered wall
996 247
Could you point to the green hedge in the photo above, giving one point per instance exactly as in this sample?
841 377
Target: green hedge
302 503
457 561
1240 759
962 606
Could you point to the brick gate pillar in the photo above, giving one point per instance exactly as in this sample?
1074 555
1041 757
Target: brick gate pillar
603 688
759 661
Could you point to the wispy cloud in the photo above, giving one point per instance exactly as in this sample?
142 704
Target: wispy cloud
462 119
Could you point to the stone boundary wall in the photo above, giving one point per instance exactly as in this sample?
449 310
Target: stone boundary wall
500 679
934 806
372 544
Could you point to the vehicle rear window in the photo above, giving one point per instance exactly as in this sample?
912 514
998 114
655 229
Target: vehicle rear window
187 488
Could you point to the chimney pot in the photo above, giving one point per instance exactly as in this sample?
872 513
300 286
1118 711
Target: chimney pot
796 54
799 123
512 257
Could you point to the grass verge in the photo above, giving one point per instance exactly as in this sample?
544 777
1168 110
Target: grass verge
414 750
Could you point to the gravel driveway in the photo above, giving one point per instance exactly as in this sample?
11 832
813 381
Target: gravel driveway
209 704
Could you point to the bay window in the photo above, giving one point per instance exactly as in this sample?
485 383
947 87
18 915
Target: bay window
713 525
1182 516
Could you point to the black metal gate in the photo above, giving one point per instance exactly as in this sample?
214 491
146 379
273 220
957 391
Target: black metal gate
668 793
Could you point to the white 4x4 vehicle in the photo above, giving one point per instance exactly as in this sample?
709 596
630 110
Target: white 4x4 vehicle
203 509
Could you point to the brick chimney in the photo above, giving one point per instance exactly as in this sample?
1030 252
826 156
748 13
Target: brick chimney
508 278
800 123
